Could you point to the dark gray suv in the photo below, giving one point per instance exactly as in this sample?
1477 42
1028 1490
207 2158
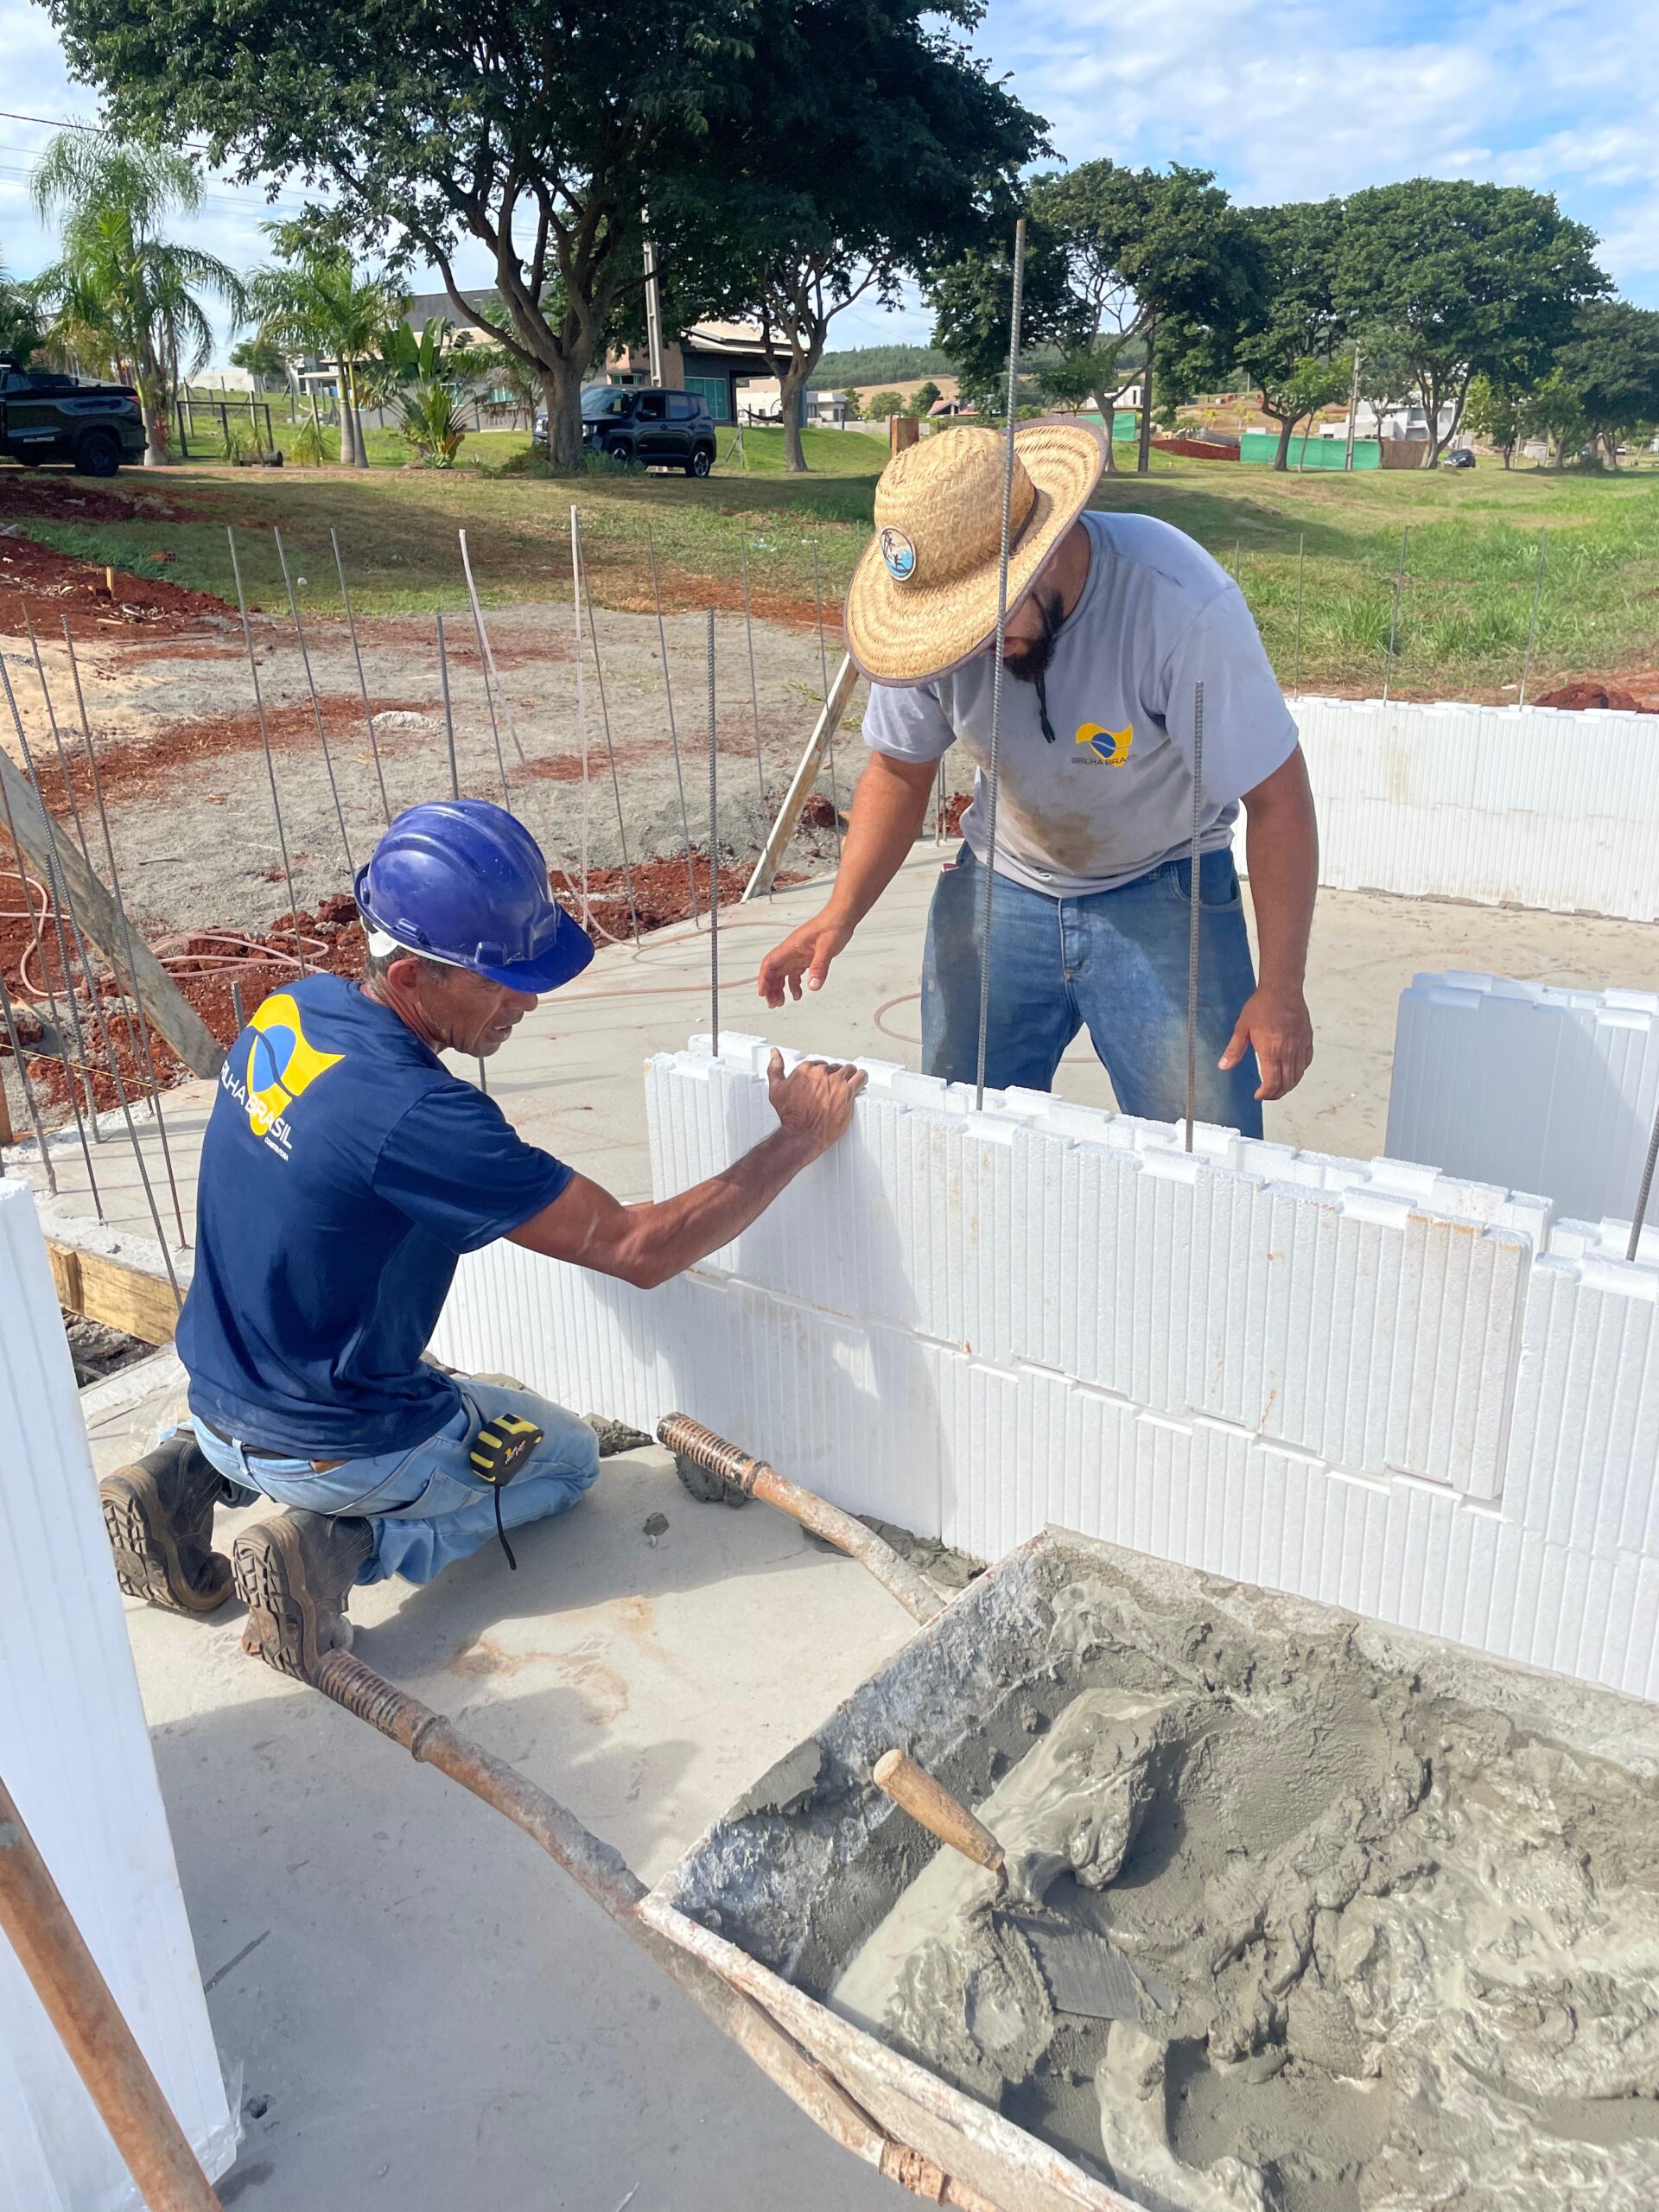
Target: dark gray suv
47 418
645 427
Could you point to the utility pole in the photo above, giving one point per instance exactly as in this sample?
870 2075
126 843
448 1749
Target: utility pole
1353 409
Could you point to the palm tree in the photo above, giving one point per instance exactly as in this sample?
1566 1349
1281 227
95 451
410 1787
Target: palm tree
121 297
313 301
20 323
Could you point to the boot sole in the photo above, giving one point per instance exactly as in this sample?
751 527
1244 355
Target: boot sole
147 1562
282 1623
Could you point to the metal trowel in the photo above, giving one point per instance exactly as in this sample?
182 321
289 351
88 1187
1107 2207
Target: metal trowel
1086 1972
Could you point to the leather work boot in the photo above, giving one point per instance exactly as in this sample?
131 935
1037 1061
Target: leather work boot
159 1516
293 1573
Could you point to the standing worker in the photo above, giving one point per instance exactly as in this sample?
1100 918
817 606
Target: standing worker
344 1172
1113 622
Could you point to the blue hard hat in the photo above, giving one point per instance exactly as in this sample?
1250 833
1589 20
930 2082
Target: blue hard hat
462 882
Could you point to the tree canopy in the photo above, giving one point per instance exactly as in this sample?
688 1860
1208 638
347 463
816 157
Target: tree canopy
1610 367
1290 355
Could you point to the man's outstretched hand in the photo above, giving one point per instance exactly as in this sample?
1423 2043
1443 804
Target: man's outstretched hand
805 952
814 1103
1278 1024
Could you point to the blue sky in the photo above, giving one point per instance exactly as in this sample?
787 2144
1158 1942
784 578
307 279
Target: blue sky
1282 101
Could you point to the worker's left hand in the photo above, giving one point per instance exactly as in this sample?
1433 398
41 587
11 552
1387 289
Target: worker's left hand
1278 1024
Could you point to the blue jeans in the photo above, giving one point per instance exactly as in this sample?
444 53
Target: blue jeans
1115 961
425 1506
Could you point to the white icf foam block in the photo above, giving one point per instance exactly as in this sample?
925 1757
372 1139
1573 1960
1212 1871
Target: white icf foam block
1369 1382
1548 1088
1529 805
75 1753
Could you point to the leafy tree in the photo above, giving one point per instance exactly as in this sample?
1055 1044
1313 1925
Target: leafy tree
883 404
1290 357
925 396
426 375
539 129
264 360
312 301
1387 377
1611 365
1473 277
854 405
1076 380
120 295
1491 411
1553 412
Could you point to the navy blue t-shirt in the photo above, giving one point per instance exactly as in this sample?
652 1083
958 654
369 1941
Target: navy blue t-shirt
344 1172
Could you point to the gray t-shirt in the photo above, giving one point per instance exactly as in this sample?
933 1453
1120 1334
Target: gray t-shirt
1111 798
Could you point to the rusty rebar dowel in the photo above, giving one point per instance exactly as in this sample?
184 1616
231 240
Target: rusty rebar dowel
362 681
316 704
264 739
102 2048
605 1875
673 731
138 1014
30 1099
689 1440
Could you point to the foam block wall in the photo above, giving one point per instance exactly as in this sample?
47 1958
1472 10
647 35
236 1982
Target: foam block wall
75 1752
1532 805
1524 1083
1331 1376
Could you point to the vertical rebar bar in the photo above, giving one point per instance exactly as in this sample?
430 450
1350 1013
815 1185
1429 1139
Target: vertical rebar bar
754 688
1532 627
138 1017
582 708
237 1006
362 681
264 739
1194 860
448 713
1645 1193
316 704
610 746
57 1021
714 854
30 1100
1302 563
823 677
57 737
484 677
673 733
1394 619
1001 636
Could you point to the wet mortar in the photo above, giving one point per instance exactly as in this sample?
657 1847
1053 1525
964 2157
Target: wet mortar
1409 1936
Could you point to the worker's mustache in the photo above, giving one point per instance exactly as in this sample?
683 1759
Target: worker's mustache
1027 658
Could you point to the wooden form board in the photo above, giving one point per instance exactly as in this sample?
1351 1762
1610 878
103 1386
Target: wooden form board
111 1291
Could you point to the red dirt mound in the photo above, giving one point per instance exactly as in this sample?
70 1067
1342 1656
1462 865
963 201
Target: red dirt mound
1585 691
47 587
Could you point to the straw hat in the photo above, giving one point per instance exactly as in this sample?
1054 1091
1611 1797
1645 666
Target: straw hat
923 597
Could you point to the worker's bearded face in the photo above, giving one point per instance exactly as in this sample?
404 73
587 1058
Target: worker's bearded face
1028 639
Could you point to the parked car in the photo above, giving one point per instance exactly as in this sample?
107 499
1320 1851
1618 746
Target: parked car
47 418
638 426
1460 457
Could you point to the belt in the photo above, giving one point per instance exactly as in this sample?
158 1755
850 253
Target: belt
254 1451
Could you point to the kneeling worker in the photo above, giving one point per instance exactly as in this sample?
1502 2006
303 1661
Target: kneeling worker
1114 620
344 1172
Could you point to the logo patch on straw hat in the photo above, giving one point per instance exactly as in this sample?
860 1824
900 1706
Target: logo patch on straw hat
899 553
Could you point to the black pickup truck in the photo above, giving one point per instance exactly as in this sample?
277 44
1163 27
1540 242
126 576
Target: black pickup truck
47 417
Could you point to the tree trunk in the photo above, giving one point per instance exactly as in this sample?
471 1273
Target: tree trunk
1107 402
360 443
1143 458
1282 458
790 385
562 397
347 442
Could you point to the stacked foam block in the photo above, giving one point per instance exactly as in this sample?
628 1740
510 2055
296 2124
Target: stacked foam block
1342 1379
75 1752
1530 805
1525 1082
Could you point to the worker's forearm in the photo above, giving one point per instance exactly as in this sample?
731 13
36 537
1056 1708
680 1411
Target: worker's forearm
887 818
660 1238
1281 846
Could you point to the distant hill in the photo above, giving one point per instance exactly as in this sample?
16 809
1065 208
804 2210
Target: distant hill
862 365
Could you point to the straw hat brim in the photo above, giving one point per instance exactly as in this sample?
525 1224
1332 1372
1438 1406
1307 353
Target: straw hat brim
910 632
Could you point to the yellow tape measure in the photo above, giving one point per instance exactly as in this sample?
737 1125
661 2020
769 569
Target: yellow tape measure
501 1447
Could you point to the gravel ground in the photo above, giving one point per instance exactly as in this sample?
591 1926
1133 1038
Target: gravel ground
184 776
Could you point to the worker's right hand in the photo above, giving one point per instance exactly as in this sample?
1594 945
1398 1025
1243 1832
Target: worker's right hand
814 1102
806 952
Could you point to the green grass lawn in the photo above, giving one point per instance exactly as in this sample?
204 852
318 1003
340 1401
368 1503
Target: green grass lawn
1470 560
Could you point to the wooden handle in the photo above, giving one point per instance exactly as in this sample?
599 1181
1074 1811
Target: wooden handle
929 1801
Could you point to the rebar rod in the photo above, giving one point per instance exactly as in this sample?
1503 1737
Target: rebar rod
57 736
1301 562
362 681
57 1026
673 733
30 1100
483 673
264 739
714 854
823 678
610 746
448 713
316 704
581 657
1532 625
1194 862
1394 619
754 687
1640 1214
996 663
139 1013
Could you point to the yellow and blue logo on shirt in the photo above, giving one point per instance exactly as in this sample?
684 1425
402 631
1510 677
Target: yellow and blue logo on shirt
282 1063
1109 747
